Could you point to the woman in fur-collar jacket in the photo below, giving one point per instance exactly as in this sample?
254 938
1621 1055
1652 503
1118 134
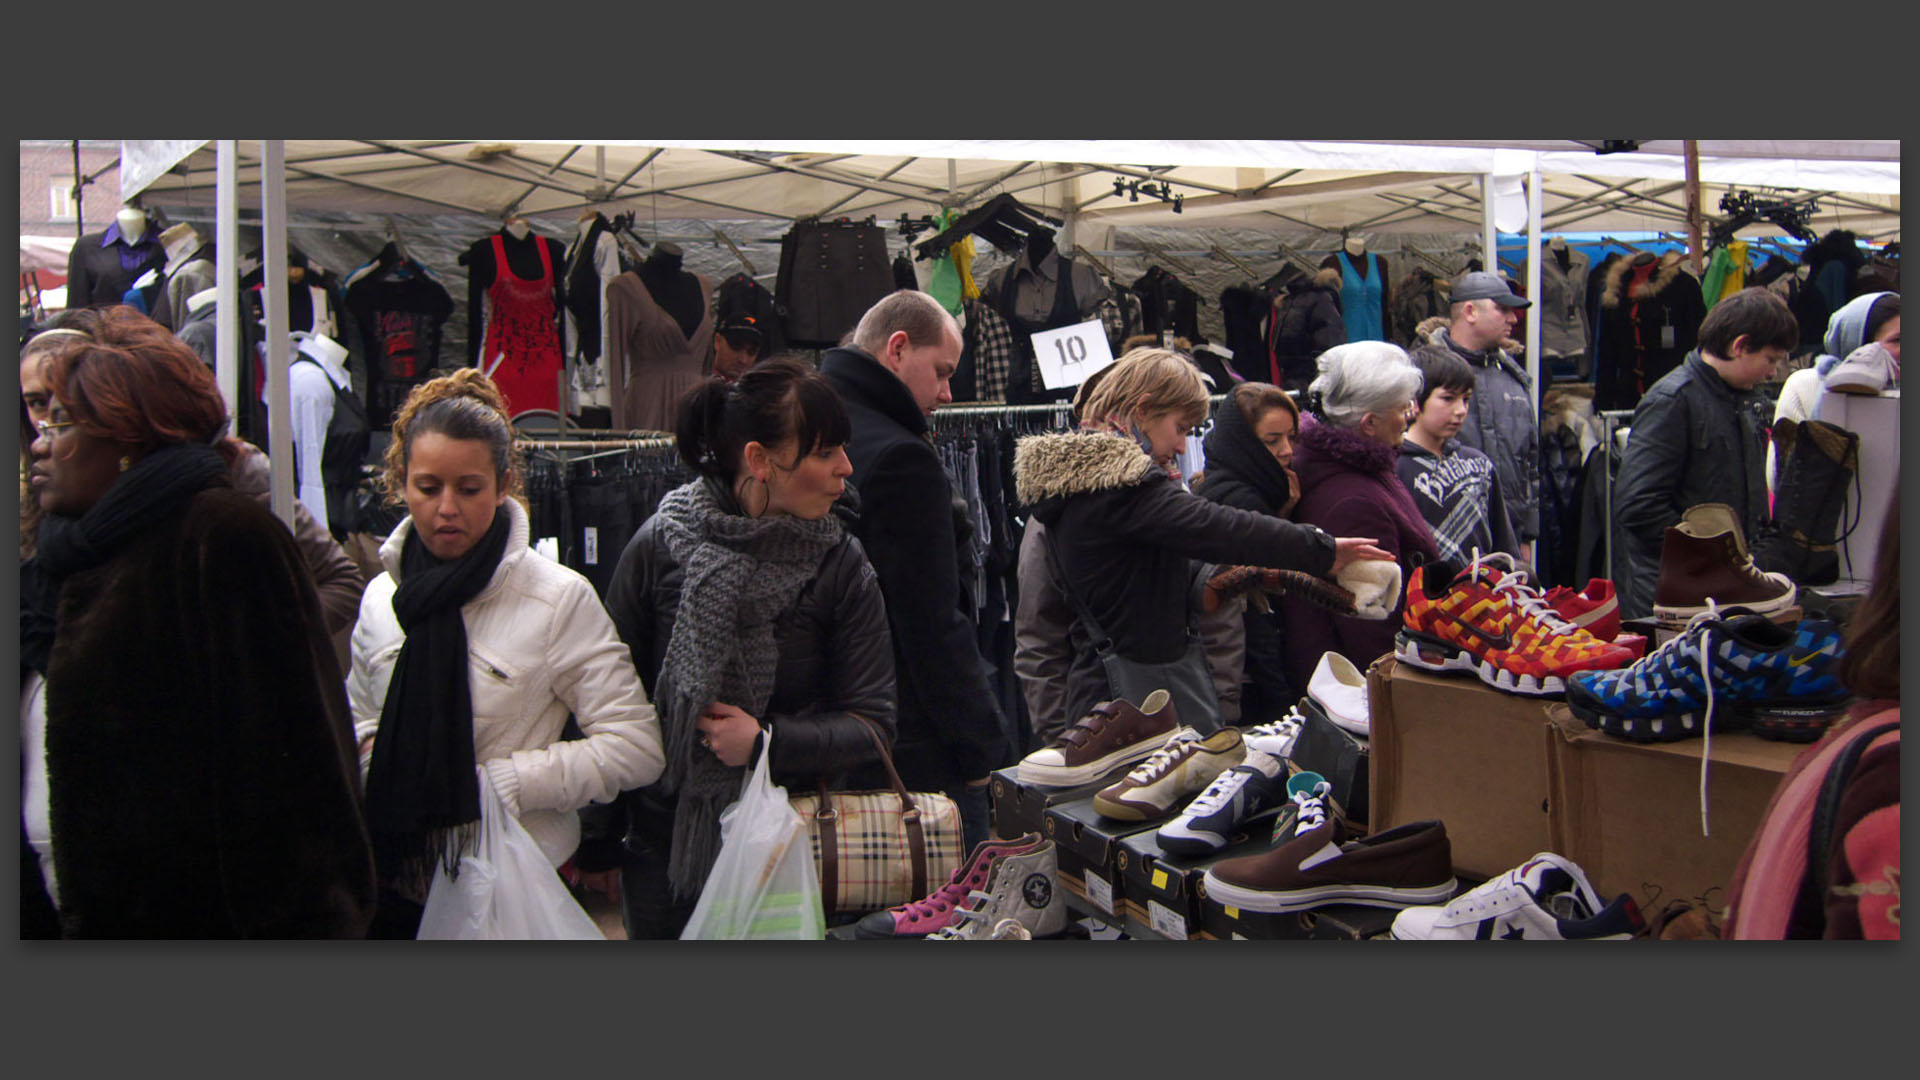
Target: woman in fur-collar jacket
1346 463
1126 530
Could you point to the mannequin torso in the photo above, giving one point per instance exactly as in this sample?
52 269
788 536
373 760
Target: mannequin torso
676 291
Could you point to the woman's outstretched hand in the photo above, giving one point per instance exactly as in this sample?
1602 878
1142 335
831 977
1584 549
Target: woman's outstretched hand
1348 549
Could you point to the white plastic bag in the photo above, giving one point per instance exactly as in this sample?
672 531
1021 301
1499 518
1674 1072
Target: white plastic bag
763 884
506 891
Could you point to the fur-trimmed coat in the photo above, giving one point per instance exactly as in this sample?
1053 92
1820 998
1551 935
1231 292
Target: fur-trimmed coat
1306 322
201 771
1500 422
1649 321
1126 532
1349 488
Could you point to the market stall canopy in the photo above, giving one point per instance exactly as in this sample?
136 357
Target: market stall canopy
1397 187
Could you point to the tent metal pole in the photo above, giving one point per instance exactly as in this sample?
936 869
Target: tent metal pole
991 184
273 293
1693 205
1489 252
498 174
1534 198
226 274
382 189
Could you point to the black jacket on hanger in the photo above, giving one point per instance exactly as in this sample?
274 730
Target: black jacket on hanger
1166 303
102 266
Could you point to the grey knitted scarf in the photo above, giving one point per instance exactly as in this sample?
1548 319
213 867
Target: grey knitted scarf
738 575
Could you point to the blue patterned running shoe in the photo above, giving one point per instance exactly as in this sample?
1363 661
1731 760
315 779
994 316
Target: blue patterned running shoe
1728 667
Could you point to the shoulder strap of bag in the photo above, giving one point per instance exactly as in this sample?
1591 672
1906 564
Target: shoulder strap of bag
1101 642
1813 884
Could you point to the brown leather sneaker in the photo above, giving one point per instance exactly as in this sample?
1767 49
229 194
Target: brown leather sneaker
1705 557
1114 734
1405 866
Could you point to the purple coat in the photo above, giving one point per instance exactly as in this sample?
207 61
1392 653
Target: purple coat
1349 488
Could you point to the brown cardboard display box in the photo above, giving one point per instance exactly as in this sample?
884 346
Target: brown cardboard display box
1629 813
1452 748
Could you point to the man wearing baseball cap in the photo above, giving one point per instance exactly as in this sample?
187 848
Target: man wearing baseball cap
736 345
1500 421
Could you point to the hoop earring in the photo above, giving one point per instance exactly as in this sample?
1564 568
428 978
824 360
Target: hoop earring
126 462
766 498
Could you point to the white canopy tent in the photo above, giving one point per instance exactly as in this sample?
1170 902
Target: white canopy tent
1095 187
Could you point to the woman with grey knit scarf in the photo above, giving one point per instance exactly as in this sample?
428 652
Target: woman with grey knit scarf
747 607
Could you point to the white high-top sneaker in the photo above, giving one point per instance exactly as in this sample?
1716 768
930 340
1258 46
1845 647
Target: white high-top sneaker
1025 890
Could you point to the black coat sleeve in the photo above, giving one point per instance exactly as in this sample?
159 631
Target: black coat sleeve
1650 470
907 524
1163 515
835 734
630 601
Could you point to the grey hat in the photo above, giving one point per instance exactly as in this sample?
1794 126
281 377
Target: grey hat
1481 285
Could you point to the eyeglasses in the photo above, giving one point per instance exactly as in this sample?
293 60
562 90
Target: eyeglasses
49 429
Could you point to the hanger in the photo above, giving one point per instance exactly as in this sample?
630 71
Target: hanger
1002 221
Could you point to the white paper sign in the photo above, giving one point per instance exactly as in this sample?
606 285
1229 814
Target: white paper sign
1099 893
1166 921
592 546
1067 356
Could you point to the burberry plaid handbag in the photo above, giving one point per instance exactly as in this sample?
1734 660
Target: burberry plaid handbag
879 849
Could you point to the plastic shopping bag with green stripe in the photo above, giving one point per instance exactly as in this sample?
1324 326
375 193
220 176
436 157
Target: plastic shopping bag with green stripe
763 884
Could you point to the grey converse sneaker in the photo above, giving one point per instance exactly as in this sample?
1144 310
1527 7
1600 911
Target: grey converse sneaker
1024 891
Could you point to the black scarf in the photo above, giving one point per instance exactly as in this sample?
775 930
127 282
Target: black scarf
149 492
421 786
1235 444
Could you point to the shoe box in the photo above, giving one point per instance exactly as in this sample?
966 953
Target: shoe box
1087 846
1019 808
1160 891
1452 748
1337 754
1329 922
1629 813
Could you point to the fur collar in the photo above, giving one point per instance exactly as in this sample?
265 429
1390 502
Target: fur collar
1669 270
1348 447
1049 466
1327 278
1428 329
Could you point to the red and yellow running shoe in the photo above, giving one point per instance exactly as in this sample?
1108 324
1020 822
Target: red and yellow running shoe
1488 619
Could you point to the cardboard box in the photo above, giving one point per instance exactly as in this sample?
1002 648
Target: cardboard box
1087 845
1629 813
1330 922
1337 754
1018 807
1450 747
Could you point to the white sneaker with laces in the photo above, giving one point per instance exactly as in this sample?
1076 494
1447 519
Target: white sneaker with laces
1547 898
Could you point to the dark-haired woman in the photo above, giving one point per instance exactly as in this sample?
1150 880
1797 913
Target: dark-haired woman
747 605
471 651
188 771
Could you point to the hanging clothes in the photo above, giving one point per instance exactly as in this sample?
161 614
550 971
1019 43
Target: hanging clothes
1651 317
521 351
1363 295
651 361
102 266
1243 314
950 279
831 272
1166 303
1561 308
1726 272
1417 297
400 308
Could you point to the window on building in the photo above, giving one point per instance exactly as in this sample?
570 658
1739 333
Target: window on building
61 197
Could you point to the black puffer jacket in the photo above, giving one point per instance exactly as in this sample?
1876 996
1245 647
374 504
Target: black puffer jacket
1126 531
1306 323
835 658
1694 440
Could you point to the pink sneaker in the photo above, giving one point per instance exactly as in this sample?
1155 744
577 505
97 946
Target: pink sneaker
935 911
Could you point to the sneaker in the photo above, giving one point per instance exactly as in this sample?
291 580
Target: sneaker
1236 797
1404 866
1595 609
1341 691
1489 621
1276 737
1024 891
937 910
1114 734
1185 764
1547 898
1704 563
1714 675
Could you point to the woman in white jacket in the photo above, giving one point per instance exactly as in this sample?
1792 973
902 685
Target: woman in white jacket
470 652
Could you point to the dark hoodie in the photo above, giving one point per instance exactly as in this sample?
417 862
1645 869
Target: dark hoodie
1349 488
1241 473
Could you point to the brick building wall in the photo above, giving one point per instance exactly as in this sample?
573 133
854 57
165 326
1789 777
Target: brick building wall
46 164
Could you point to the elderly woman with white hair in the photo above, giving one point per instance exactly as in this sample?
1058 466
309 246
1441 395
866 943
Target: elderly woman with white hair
1360 407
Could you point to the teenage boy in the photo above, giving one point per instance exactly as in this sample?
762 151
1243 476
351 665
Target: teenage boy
1455 486
1699 435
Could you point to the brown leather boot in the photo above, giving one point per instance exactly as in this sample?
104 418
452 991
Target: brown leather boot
1705 558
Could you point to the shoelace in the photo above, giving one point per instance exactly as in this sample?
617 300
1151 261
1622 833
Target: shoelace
1704 622
1217 793
1521 593
1313 808
1178 745
1287 728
